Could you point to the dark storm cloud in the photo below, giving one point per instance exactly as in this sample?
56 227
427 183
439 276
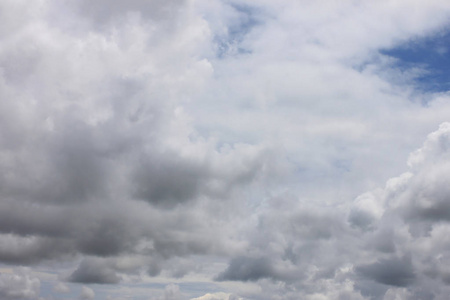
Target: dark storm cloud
78 170
248 269
106 237
394 271
54 236
32 250
169 180
154 269
25 220
93 270
72 165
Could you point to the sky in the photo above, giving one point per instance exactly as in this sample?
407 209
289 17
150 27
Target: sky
224 150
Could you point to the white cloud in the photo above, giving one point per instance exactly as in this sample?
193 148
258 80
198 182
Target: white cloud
235 146
217 296
87 293
20 284
61 288
171 292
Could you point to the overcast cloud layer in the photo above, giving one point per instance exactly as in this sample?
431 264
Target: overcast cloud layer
222 150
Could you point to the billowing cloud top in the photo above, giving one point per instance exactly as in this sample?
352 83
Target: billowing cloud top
193 149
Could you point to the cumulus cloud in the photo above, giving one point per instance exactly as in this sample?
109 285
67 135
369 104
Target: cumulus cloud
395 271
92 270
87 293
236 148
103 139
61 288
410 224
217 296
248 269
390 245
19 285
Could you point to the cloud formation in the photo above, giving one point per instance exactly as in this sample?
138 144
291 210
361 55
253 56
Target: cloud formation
87 293
93 271
19 285
192 149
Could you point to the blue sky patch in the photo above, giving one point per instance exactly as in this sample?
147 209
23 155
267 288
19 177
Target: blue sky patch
431 54
231 43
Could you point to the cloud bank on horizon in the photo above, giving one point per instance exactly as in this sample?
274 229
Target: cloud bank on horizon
224 150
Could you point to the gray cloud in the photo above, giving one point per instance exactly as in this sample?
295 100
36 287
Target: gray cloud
386 226
202 142
92 270
248 269
105 12
168 181
100 141
20 285
105 237
394 271
87 293
32 250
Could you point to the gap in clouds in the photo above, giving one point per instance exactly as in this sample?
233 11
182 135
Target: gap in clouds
427 58
241 20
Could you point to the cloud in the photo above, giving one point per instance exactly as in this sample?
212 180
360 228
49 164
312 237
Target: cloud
87 293
236 148
366 211
411 222
92 270
248 269
169 182
217 296
171 292
394 271
78 161
19 285
61 288
426 192
387 242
